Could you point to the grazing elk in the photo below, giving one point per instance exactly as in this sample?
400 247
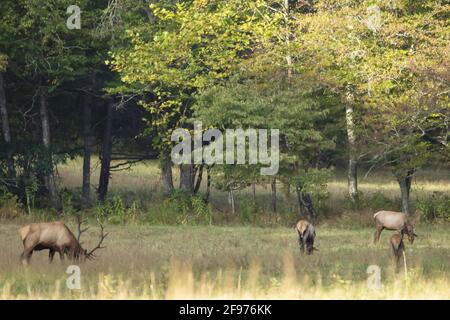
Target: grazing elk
56 237
391 220
306 236
397 246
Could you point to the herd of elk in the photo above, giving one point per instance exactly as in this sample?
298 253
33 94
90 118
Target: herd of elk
56 237
389 220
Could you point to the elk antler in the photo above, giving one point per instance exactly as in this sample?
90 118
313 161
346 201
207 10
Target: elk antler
103 235
80 231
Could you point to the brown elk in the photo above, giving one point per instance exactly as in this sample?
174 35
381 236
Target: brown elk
56 237
306 235
391 220
397 246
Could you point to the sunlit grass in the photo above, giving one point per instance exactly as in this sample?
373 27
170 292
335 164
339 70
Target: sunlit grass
162 262
146 176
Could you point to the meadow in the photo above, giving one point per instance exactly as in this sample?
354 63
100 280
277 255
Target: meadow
238 261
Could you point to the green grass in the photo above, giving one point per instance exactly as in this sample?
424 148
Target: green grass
137 256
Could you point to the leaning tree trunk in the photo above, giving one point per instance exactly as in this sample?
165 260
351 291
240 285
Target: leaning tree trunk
87 151
106 154
405 190
50 180
300 204
198 182
166 174
306 202
352 162
274 194
187 177
6 130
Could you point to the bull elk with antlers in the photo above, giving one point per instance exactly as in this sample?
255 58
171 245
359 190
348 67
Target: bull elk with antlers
56 237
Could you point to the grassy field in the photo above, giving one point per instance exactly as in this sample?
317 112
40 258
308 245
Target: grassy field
146 261
232 262
144 177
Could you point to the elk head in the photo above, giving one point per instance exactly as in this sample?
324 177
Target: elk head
410 232
83 254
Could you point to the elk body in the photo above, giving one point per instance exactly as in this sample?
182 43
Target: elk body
55 237
391 220
306 235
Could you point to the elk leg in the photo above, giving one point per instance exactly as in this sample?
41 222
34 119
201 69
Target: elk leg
26 256
301 244
377 234
51 254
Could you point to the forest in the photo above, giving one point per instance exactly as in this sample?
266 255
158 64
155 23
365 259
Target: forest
92 91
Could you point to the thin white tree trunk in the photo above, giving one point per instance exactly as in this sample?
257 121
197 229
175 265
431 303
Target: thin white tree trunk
49 177
352 161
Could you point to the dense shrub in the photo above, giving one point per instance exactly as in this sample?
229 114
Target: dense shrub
372 201
181 208
115 211
10 207
434 207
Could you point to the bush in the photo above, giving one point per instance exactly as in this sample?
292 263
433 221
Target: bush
374 202
181 207
115 211
10 207
247 210
434 207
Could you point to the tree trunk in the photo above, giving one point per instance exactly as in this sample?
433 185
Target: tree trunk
405 190
208 183
254 194
87 152
49 176
186 177
151 17
352 178
231 201
274 194
305 201
198 183
106 154
352 162
6 129
299 201
288 57
166 174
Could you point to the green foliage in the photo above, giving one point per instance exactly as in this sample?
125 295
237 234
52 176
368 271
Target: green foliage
191 47
313 181
114 211
247 210
371 202
10 206
435 207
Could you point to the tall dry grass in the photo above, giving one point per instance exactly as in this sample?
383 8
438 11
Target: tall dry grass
231 283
